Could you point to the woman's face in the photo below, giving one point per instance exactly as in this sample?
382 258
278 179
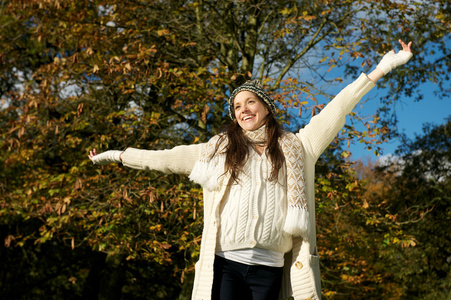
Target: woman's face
250 111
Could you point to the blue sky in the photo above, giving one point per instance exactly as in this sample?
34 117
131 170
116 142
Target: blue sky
411 115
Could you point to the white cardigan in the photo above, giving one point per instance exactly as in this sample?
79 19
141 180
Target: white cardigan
301 274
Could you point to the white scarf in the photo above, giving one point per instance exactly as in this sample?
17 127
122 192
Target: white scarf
209 172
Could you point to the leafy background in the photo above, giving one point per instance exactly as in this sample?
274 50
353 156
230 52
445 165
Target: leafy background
155 74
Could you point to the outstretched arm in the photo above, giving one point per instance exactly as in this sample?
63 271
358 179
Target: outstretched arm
179 160
390 61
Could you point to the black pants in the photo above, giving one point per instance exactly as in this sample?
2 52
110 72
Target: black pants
236 281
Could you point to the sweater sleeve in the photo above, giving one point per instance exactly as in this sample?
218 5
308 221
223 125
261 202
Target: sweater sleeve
323 127
179 160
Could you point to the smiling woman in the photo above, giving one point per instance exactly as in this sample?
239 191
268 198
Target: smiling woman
259 237
250 111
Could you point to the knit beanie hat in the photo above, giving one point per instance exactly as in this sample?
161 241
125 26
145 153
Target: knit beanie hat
255 87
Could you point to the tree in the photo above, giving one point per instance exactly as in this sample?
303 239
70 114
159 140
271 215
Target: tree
155 74
348 251
410 203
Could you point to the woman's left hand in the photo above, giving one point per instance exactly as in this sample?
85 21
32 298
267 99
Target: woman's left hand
404 46
392 60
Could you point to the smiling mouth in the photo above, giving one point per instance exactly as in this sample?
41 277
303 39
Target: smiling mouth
247 118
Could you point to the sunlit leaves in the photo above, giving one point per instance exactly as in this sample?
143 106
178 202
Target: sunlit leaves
155 74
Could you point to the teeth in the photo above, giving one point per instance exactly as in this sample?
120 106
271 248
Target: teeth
245 118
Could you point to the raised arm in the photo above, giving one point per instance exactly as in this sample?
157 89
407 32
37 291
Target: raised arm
323 127
391 60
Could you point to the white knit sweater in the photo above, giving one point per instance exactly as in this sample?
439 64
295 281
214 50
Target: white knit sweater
253 211
301 278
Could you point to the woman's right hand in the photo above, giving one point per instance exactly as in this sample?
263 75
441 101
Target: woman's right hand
92 153
111 156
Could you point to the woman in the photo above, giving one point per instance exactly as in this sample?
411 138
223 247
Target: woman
259 239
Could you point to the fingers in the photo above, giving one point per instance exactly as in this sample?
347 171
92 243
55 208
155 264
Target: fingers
404 46
408 46
92 153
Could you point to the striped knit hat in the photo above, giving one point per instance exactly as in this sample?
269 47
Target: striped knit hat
255 87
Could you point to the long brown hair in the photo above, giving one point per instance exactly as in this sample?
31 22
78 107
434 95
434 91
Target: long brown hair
237 151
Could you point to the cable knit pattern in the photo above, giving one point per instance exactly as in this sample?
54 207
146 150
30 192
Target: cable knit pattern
209 171
253 214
